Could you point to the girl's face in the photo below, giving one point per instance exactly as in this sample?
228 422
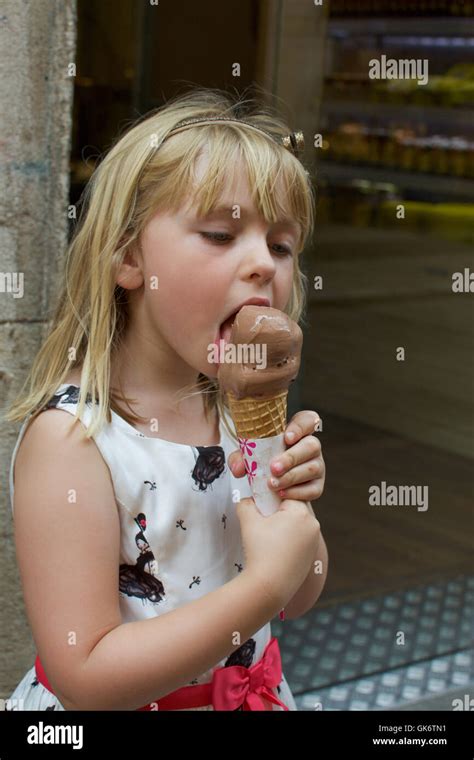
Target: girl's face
206 268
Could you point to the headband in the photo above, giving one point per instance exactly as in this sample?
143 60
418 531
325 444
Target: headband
294 141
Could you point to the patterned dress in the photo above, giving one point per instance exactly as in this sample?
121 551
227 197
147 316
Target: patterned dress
180 534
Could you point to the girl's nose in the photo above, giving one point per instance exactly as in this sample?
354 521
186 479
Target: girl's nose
260 261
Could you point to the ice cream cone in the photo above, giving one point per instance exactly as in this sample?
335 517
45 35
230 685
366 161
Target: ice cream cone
260 424
258 417
257 395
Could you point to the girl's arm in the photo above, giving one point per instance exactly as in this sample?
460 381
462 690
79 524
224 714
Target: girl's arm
67 534
137 663
310 591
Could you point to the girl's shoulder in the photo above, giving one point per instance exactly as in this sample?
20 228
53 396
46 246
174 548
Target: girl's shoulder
52 436
45 430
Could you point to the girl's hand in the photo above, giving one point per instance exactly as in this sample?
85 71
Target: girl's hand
303 471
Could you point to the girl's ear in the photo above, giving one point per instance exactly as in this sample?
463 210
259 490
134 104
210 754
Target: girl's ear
129 275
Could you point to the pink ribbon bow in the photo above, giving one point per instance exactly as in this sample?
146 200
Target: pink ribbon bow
235 685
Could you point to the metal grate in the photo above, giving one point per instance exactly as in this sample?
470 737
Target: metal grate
336 647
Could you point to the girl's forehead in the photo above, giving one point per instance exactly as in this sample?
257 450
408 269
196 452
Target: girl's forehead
237 184
234 198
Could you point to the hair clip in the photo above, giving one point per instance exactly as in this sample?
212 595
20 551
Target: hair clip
294 141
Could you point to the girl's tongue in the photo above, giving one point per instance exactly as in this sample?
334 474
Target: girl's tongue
226 328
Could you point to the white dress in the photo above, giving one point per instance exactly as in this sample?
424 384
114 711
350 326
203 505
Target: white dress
180 534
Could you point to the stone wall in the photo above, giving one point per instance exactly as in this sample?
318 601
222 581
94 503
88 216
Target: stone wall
38 46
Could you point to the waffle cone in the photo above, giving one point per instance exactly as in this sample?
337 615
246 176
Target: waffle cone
258 417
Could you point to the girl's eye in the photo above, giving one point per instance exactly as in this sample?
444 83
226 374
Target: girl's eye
285 251
217 238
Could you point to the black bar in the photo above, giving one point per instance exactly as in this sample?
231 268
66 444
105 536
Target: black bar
322 734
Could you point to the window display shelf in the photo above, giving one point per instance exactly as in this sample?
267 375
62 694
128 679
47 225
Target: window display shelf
444 26
461 118
457 188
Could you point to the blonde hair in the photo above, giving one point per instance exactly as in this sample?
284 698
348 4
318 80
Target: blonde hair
137 177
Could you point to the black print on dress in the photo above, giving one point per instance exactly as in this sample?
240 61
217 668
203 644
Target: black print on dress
243 655
69 396
239 567
35 682
210 464
140 580
179 524
196 580
224 519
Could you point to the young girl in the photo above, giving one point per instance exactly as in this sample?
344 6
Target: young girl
148 574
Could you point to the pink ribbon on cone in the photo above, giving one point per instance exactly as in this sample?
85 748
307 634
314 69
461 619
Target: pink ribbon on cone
236 685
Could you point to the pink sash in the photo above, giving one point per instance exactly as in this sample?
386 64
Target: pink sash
230 688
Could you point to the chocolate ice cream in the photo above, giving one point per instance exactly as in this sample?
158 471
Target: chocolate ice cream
283 339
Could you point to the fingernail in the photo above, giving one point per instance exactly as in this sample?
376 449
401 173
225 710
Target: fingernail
290 436
278 466
275 482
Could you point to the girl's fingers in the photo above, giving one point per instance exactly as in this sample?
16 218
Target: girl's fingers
236 463
301 424
301 452
303 492
311 470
